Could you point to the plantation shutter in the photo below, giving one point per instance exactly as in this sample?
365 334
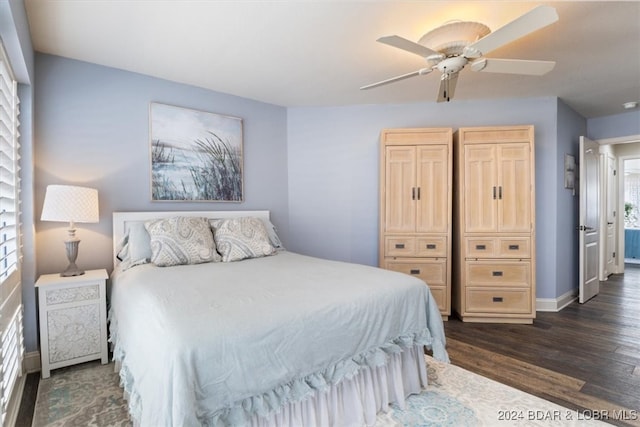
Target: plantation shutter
11 334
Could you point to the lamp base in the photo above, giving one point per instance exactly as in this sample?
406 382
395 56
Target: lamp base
72 253
72 270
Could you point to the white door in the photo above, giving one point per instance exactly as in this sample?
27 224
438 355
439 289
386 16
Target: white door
589 172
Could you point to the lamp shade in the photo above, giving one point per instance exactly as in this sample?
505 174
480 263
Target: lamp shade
68 203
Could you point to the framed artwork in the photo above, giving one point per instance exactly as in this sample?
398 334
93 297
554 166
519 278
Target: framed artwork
195 155
569 171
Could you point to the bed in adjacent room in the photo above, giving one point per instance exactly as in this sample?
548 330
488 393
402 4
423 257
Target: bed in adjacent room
231 329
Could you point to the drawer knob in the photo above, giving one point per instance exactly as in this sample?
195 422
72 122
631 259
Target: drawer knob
496 273
481 247
514 247
415 271
399 245
431 246
497 299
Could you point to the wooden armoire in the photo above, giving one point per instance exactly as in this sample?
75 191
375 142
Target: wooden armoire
416 207
494 225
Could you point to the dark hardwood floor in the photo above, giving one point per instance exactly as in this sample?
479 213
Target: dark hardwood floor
585 357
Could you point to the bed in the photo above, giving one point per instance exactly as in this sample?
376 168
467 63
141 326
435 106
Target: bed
278 338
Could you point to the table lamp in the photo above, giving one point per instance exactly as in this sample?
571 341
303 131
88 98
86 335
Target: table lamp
68 203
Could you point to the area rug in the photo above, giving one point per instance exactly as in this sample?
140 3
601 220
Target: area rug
89 395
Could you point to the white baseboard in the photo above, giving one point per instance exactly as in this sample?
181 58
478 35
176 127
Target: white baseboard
556 304
32 362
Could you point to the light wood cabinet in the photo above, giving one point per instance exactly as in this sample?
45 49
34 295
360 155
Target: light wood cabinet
415 207
494 272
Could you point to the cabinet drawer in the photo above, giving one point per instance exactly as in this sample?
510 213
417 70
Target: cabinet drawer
512 274
422 246
431 246
498 247
503 301
440 296
480 247
514 247
399 246
433 272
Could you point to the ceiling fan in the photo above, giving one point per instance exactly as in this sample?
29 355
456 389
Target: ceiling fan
450 47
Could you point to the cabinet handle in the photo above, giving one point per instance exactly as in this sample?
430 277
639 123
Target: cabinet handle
514 247
431 246
399 245
494 192
500 192
481 247
496 273
418 193
416 271
413 193
497 299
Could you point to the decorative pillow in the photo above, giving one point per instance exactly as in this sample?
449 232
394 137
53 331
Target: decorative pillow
135 248
139 243
181 240
273 235
241 238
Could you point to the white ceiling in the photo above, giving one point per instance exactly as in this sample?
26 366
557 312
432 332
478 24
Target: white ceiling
318 53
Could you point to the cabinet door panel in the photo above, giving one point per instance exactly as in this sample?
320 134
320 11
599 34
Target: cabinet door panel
433 182
400 178
514 178
480 214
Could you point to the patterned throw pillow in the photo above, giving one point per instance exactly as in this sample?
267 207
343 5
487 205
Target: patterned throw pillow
241 238
181 240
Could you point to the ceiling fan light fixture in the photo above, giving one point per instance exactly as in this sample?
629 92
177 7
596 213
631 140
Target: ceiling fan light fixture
451 38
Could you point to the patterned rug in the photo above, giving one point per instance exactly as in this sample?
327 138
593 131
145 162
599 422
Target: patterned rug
89 395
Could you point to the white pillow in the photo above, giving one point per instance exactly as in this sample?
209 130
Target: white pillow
181 240
241 238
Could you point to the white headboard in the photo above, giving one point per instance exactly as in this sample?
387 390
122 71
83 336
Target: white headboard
121 220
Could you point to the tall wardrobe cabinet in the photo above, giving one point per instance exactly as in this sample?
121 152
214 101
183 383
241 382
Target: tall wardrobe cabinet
494 210
416 207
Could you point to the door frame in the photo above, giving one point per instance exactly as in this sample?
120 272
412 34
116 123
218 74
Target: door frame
619 264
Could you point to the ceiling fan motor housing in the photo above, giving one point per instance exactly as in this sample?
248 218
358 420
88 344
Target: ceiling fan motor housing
452 65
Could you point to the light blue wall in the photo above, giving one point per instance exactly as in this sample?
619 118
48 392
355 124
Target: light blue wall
618 125
92 128
333 174
570 127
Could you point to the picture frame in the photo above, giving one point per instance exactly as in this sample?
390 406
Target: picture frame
195 155
569 171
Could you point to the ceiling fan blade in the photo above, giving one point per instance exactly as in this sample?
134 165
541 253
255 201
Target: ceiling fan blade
407 45
531 21
513 66
447 87
398 78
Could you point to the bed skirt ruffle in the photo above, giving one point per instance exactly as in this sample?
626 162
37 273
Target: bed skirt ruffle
357 400
354 401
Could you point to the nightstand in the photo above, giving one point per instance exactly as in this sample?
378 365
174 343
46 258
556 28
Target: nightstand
73 319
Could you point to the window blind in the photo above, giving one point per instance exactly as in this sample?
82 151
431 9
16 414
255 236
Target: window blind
11 333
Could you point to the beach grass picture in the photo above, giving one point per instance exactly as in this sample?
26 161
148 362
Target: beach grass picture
195 155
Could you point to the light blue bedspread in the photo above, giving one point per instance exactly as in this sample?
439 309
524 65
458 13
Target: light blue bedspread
219 342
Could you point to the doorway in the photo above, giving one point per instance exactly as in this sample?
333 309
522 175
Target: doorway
631 213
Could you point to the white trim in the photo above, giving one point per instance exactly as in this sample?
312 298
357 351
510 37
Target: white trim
14 403
31 362
556 304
